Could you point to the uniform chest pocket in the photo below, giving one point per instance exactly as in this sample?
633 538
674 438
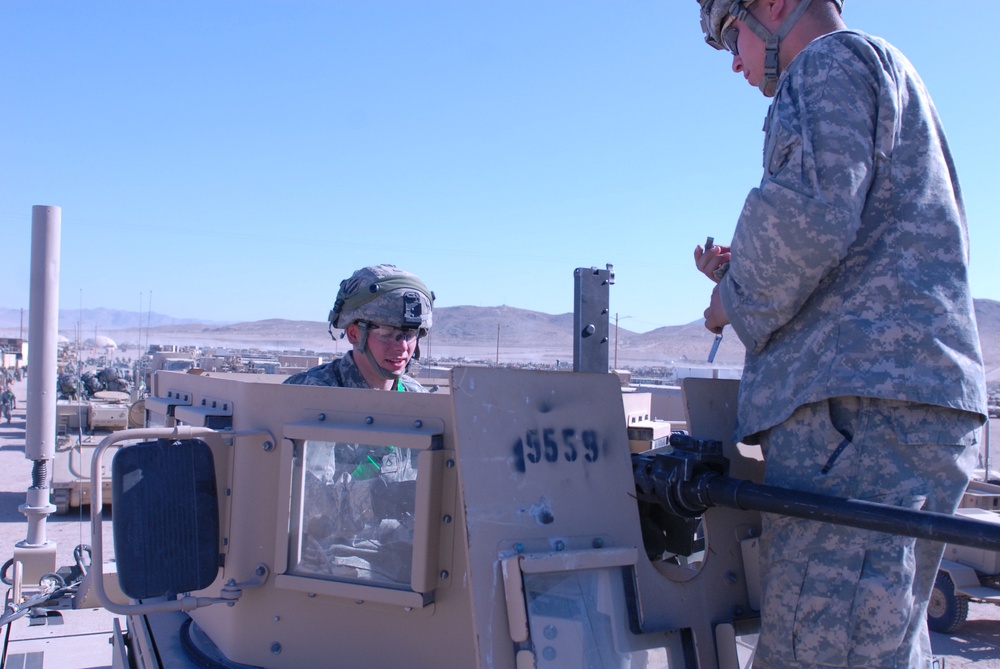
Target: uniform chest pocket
781 146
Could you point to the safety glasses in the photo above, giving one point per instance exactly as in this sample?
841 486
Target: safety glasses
730 33
729 36
388 334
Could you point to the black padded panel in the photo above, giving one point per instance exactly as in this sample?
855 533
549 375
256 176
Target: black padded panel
166 517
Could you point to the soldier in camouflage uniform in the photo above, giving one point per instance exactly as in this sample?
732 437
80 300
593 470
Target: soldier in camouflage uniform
384 311
359 499
847 280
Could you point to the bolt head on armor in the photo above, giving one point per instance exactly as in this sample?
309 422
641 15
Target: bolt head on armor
383 294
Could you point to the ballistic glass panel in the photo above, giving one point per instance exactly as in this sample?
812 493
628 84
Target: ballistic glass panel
354 507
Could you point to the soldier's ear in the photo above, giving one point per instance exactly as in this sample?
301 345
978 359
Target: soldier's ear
353 334
776 9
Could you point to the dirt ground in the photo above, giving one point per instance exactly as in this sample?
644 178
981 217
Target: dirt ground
976 644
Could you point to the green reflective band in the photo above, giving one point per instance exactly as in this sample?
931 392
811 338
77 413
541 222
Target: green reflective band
369 467
384 286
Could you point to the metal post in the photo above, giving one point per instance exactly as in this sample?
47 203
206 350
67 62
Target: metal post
591 299
37 553
616 341
986 459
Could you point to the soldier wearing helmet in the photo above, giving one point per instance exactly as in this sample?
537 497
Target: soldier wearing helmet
721 21
847 281
384 311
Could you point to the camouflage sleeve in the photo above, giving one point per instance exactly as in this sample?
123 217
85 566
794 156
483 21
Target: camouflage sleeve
800 223
304 379
411 385
321 375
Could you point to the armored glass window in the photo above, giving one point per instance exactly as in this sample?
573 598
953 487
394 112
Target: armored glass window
355 512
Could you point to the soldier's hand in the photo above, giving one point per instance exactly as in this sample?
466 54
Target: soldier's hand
710 260
715 315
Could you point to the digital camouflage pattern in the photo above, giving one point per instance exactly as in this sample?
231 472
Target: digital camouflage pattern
344 373
849 270
383 294
835 596
848 285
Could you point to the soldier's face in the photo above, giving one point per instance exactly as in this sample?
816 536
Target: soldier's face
749 59
391 353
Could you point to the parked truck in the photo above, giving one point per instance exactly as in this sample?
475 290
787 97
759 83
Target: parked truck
967 574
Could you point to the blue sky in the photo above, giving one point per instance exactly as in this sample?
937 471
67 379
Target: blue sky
234 160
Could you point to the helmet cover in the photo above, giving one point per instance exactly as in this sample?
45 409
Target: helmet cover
383 294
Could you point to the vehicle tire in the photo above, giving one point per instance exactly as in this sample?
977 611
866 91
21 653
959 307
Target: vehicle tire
946 611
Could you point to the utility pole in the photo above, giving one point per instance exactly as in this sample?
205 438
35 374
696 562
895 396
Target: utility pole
616 340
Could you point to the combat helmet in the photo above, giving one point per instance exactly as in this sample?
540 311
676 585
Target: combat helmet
383 294
387 295
717 15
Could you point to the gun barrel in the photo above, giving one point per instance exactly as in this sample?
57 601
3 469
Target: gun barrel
712 489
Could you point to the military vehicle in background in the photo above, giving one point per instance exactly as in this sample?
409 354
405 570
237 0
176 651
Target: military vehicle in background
967 574
90 406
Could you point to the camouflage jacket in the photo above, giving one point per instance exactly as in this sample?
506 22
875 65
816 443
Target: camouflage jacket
849 271
343 373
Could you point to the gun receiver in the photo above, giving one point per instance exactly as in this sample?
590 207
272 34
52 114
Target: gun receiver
693 476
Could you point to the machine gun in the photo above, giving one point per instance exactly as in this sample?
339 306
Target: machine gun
692 476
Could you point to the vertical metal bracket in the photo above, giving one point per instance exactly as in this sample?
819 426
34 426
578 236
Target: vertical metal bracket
591 315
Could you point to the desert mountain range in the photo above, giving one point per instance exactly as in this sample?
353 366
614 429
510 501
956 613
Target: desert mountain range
504 333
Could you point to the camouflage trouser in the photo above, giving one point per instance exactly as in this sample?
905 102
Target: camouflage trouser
840 597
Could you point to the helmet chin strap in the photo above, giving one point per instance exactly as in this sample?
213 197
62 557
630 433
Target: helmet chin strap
769 84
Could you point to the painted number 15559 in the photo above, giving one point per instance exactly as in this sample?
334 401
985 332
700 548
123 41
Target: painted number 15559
554 445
